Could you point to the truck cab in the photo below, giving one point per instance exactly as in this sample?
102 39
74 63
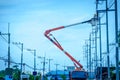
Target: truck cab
78 75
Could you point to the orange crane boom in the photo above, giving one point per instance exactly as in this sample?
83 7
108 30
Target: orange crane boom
55 42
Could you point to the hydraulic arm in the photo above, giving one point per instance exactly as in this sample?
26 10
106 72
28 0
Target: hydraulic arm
55 42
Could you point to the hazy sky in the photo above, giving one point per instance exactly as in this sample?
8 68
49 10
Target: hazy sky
30 18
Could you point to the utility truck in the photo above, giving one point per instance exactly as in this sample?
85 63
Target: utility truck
79 73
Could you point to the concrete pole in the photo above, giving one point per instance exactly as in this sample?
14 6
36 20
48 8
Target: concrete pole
116 41
8 45
90 64
49 63
107 40
21 59
56 68
100 48
34 63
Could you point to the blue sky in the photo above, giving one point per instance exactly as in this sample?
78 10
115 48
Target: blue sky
30 18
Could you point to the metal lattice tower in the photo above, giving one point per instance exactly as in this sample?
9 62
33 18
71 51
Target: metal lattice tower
103 10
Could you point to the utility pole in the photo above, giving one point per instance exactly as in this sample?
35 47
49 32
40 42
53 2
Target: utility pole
43 66
64 68
34 72
8 69
8 45
109 8
116 41
56 68
107 40
8 34
34 60
44 62
90 63
21 56
86 51
100 43
49 63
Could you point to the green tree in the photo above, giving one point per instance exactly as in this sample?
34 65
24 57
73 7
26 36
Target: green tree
16 73
31 77
2 73
113 76
63 77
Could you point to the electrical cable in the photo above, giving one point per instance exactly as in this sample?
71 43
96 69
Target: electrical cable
29 66
16 45
4 39
2 58
108 7
111 4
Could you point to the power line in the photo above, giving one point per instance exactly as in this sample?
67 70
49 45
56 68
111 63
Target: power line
111 4
4 39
